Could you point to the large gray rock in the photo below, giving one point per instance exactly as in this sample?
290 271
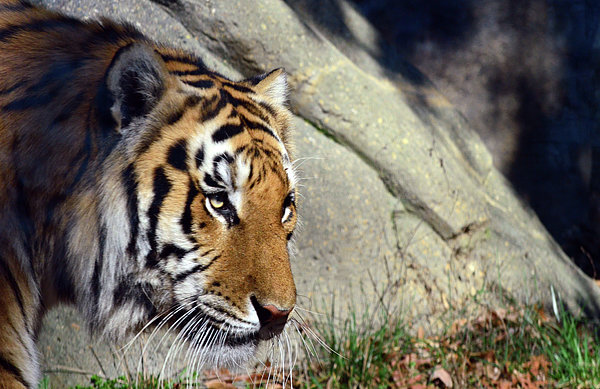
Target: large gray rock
399 194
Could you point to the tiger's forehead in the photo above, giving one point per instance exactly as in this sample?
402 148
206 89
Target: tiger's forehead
234 155
233 141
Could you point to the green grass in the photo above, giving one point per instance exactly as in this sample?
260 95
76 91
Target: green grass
123 383
517 347
573 348
520 348
359 353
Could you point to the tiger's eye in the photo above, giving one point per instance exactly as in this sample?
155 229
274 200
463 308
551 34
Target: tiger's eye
216 203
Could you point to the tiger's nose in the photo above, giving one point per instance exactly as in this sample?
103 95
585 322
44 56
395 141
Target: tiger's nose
272 319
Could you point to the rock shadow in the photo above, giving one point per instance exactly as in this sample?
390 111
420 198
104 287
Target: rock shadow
534 100
406 21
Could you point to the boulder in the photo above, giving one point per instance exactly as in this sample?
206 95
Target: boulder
399 196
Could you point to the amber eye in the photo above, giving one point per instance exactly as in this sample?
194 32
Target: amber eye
287 215
216 203
219 205
287 208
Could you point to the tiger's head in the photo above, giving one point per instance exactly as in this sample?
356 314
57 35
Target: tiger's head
202 198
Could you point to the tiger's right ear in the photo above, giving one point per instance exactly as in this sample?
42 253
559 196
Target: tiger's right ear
136 80
272 84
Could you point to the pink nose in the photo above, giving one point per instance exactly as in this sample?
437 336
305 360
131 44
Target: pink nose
272 319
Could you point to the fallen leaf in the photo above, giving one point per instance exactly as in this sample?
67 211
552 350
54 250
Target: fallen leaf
492 372
217 384
442 376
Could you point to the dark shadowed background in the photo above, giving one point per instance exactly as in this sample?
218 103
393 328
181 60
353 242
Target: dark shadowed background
525 75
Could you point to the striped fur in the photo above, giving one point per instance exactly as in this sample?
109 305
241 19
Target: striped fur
135 184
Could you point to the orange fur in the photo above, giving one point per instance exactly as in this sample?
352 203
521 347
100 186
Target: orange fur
112 151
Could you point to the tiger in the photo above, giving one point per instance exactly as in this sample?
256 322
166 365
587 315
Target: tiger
140 187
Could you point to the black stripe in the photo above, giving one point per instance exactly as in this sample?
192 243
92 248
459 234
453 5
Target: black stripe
131 189
177 155
251 173
238 87
216 161
227 131
17 85
289 236
241 149
228 97
193 72
191 101
63 282
176 115
186 60
186 218
161 188
255 182
224 311
48 87
39 26
202 84
152 259
97 274
12 369
279 173
208 112
171 249
58 74
251 107
21 6
258 126
130 290
216 177
33 101
69 109
204 254
152 135
222 157
12 282
268 108
24 211
210 181
199 157
196 269
232 219
82 159
182 276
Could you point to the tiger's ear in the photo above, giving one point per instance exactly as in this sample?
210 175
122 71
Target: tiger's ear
272 84
136 80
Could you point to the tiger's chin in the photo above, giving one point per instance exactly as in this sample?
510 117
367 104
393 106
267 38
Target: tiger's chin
222 349
232 358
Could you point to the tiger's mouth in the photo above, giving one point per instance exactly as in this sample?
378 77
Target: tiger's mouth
202 330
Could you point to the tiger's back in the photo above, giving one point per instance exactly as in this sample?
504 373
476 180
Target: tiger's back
138 186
